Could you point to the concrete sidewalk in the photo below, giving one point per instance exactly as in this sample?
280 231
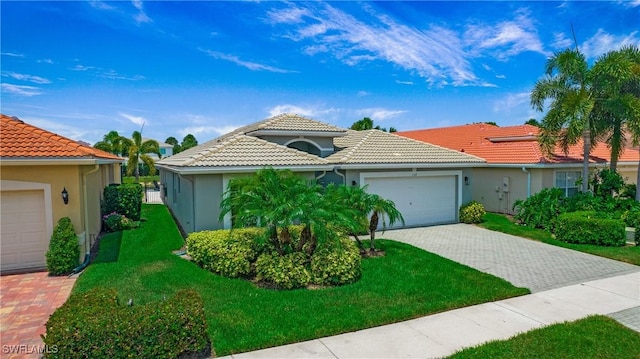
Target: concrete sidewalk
445 333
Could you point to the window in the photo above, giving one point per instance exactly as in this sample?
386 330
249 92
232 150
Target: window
163 151
566 181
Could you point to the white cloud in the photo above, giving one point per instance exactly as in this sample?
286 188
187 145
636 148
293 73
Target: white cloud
629 3
603 42
137 120
404 82
511 102
560 41
253 66
501 76
25 77
79 67
199 131
101 5
112 74
435 54
45 61
12 54
505 39
363 93
74 133
141 16
21 90
309 111
379 114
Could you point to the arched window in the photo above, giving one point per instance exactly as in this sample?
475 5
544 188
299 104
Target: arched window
305 146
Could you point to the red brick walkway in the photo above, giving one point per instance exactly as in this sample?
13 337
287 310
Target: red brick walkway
26 302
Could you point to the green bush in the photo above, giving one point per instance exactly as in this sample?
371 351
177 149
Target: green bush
284 272
472 212
94 325
64 253
125 199
336 264
540 210
587 228
225 252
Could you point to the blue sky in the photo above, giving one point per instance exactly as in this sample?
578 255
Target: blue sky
81 69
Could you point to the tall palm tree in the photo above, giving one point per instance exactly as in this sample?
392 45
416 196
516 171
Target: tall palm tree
111 142
616 84
139 151
567 85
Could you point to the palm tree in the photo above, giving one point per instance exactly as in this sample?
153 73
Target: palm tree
381 207
138 151
567 85
111 142
616 83
356 202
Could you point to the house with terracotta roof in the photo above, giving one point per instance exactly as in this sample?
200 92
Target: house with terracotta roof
426 182
516 167
44 177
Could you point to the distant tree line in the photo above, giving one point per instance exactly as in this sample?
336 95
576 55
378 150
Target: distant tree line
188 142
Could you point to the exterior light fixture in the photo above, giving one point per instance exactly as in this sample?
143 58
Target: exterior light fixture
466 180
354 183
65 195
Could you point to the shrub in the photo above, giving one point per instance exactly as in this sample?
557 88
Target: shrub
336 264
225 252
114 222
472 212
587 228
64 253
541 209
125 199
94 325
284 272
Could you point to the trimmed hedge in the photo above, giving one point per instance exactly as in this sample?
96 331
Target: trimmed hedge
225 252
284 272
587 228
125 199
64 252
94 325
472 212
336 264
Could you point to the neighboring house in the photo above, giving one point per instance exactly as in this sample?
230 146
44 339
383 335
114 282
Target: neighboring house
515 165
426 182
36 166
166 150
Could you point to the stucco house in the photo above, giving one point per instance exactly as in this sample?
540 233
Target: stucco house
36 168
426 182
516 167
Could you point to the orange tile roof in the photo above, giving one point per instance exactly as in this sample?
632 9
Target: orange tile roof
19 140
509 145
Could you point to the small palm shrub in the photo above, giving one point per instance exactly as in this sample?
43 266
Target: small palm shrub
64 253
225 252
336 263
588 228
472 212
95 325
284 272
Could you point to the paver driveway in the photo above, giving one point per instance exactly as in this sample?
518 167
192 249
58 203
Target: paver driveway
523 262
26 302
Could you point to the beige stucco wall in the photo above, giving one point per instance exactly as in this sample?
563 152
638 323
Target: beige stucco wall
71 178
487 186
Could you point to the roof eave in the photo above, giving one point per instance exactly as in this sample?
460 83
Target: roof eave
22 161
367 166
241 169
263 132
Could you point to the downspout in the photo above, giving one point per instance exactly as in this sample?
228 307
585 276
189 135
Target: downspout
344 179
528 181
324 173
87 255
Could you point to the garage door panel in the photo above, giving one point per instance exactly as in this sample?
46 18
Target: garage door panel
421 200
22 224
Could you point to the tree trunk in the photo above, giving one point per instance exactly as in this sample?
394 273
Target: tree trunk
586 139
373 225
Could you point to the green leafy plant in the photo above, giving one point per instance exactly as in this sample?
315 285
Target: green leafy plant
95 325
336 264
472 212
541 209
588 228
125 199
64 253
225 252
116 222
283 272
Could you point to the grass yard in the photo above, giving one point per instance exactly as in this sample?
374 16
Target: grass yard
501 223
142 179
592 337
406 283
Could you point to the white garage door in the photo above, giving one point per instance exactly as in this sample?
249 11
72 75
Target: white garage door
421 200
22 225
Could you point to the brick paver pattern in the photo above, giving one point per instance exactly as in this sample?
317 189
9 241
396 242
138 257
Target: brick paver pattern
629 317
26 302
523 262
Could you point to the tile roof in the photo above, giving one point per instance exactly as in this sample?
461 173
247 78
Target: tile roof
509 145
375 146
241 150
20 140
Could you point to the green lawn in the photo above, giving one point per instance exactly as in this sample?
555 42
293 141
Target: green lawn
406 283
592 337
500 223
142 179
